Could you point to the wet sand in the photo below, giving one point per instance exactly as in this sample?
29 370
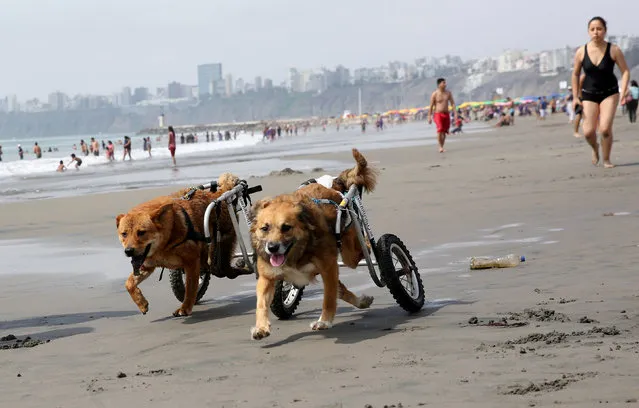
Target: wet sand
571 308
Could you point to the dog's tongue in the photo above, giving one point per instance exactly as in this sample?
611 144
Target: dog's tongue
277 259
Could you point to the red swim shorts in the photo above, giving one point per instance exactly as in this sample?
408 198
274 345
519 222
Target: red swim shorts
442 120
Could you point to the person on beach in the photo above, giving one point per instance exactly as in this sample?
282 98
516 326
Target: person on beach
600 92
172 144
147 141
127 148
510 105
37 151
575 111
110 151
569 110
77 160
61 167
84 148
95 147
632 101
543 108
20 152
439 101
0 153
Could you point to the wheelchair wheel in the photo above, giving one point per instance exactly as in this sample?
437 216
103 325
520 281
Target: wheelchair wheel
176 278
286 299
400 273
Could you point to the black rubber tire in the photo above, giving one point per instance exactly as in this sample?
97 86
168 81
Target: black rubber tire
177 283
279 309
387 270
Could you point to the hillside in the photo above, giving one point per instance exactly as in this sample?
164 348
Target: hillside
278 103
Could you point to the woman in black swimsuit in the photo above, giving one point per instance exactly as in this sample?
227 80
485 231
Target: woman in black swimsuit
600 90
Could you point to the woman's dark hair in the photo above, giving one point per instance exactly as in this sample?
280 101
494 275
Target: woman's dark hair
171 129
601 20
633 83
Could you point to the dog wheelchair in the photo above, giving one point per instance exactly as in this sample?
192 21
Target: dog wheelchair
244 262
388 260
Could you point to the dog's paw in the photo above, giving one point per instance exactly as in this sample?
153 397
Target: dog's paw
321 325
181 312
365 301
259 333
144 307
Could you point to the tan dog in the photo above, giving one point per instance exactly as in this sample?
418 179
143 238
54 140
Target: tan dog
168 232
295 241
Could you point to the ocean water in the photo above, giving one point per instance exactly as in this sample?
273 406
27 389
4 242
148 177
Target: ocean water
197 163
12 166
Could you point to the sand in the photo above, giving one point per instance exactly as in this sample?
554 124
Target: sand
571 336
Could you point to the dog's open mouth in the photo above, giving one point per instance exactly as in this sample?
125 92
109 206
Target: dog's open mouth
138 260
279 259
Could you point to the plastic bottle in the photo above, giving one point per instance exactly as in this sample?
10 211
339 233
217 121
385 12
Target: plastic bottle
507 261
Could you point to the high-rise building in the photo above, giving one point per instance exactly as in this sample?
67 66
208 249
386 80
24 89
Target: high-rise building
140 94
125 96
174 90
57 100
12 103
239 85
228 85
209 79
258 83
342 76
294 81
507 61
268 84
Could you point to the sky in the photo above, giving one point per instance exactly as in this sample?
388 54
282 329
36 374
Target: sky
100 46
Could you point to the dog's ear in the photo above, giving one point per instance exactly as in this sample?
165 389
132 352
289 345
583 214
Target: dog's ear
259 205
117 220
158 214
305 215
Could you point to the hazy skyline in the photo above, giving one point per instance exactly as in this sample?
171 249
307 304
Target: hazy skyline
98 47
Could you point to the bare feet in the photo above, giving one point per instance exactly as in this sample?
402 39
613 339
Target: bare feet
576 134
595 155
608 165
441 150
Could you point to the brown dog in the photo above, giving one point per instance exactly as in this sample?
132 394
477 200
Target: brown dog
168 232
295 241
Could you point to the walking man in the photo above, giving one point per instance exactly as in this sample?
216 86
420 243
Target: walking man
439 101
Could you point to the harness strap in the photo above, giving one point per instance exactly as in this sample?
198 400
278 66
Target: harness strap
340 211
347 223
324 201
191 233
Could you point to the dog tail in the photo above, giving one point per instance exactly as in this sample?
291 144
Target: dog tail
361 175
226 181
